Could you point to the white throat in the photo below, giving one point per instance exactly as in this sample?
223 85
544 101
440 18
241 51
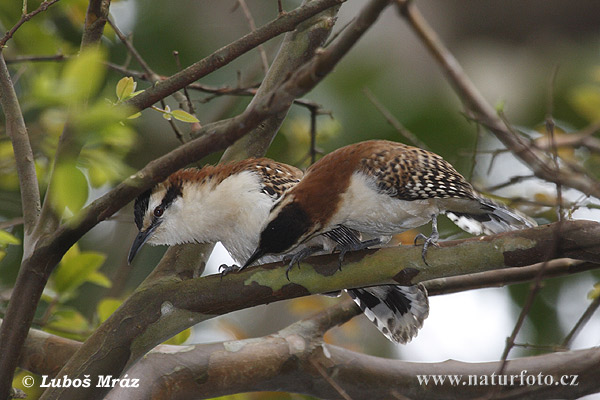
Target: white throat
232 212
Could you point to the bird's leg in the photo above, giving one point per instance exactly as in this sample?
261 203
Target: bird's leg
431 240
295 258
354 246
224 269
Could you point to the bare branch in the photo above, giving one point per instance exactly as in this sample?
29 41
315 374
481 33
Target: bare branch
17 132
95 19
408 135
296 360
252 26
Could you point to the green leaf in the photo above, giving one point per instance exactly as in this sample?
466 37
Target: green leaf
125 88
184 116
75 269
180 338
6 239
69 188
134 116
106 307
68 320
83 75
2 254
99 279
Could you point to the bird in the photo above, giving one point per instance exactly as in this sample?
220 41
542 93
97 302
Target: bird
231 203
381 188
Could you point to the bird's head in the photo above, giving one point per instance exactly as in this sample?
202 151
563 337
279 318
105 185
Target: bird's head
155 211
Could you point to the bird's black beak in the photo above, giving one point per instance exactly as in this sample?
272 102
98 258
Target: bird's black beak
255 256
139 241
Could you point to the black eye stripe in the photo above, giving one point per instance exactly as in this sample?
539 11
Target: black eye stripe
172 193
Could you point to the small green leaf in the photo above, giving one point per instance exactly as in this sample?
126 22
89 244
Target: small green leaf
6 239
99 279
2 254
184 116
134 116
167 116
125 88
68 320
69 188
106 307
180 338
76 269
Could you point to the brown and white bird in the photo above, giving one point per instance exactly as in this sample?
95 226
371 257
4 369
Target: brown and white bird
380 188
231 203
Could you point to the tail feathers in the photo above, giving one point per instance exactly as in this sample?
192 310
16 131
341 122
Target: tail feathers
493 218
397 311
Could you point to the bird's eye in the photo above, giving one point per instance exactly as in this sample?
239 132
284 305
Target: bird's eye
158 211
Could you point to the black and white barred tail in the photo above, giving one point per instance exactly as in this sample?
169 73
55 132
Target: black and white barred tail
397 311
492 218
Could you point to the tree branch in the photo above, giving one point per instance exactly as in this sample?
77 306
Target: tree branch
24 160
38 259
148 311
24 18
284 23
295 359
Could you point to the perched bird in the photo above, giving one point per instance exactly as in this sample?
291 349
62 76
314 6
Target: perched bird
380 188
227 203
231 203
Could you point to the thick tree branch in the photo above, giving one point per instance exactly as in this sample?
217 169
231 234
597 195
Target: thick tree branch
150 309
95 19
542 165
295 360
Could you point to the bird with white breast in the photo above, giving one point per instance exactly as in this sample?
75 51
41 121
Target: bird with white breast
380 188
231 203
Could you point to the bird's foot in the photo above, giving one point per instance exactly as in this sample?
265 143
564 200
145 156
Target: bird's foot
343 249
429 240
224 269
295 258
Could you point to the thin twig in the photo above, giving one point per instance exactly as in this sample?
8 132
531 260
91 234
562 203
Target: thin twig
550 125
24 18
23 59
408 135
584 319
149 73
329 379
11 222
252 25
188 106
